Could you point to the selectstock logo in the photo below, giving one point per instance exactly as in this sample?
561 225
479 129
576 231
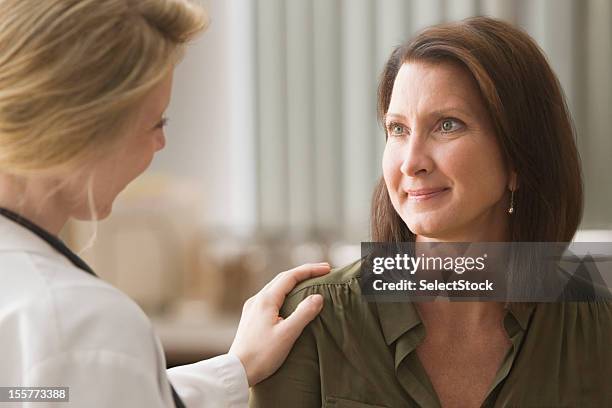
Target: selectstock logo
508 272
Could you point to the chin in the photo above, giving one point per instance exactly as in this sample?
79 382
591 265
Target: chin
421 229
429 228
86 215
105 214
424 232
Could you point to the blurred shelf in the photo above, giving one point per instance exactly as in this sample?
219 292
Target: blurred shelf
187 339
593 235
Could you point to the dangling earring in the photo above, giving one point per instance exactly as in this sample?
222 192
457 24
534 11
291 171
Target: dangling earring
511 209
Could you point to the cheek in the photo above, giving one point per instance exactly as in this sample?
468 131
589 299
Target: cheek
392 175
478 172
147 158
391 166
141 155
135 160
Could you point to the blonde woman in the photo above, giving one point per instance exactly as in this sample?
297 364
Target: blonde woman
83 88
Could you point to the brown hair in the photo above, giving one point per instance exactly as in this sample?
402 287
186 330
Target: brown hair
530 118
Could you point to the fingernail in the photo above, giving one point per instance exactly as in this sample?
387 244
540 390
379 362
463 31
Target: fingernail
316 300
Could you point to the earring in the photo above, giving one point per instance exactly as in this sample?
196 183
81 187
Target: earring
511 209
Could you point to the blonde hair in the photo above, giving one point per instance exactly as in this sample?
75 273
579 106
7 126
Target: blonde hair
73 73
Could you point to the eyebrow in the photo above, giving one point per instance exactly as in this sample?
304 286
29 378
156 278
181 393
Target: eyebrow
435 113
394 116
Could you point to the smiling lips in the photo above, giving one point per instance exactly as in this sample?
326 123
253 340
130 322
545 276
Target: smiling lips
425 193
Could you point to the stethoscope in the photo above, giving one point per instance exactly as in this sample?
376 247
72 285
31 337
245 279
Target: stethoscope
60 247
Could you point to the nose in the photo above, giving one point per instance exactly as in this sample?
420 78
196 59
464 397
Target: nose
417 160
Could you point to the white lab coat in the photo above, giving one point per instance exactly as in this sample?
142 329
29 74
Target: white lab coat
60 326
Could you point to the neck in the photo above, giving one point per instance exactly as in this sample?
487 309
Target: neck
35 200
492 233
448 317
491 227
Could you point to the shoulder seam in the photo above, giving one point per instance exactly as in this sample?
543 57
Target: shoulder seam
313 285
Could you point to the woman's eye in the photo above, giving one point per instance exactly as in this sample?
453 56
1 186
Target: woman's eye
450 125
395 129
162 123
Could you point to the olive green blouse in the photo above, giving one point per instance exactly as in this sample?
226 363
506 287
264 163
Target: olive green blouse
360 354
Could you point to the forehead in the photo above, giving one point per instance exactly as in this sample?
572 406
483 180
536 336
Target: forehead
421 86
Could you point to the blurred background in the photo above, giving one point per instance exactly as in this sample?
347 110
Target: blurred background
273 150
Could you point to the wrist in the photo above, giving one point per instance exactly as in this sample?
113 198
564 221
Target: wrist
246 363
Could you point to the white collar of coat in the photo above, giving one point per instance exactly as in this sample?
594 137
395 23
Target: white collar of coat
14 237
